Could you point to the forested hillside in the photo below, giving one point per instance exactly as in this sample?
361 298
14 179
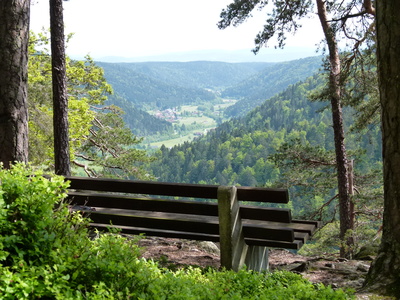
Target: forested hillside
271 80
198 74
145 91
140 122
226 154
238 151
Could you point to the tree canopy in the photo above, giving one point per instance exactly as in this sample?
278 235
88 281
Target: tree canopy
100 142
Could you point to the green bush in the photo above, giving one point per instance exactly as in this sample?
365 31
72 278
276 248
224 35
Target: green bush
30 229
46 253
45 250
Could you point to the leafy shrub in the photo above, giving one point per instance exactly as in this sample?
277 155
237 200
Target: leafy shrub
45 250
30 229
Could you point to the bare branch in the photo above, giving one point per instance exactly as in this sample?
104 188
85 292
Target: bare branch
87 170
84 157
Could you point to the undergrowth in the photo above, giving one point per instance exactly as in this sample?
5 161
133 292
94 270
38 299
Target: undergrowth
46 253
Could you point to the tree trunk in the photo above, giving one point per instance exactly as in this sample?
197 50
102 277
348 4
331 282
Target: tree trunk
60 100
14 38
338 128
384 274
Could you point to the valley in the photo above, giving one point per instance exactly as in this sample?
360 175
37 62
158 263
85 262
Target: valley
189 122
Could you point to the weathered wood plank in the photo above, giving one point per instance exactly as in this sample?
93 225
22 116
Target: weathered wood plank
295 245
184 225
159 232
270 233
145 204
298 227
316 224
144 187
175 189
253 194
265 213
302 236
232 245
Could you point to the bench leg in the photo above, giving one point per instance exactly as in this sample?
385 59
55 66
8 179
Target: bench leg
257 258
232 245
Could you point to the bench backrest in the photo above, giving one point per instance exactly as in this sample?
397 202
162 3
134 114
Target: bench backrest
252 194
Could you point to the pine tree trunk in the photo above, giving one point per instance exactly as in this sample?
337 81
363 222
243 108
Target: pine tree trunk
384 274
338 128
14 38
60 100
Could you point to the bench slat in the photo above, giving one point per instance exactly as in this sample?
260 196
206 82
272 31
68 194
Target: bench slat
298 227
302 236
145 204
265 213
143 187
317 224
264 232
295 245
175 189
160 233
156 223
266 195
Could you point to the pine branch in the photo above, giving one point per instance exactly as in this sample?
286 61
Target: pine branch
319 211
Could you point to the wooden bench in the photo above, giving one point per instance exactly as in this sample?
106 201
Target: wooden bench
245 231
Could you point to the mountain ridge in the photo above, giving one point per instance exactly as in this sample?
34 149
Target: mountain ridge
230 56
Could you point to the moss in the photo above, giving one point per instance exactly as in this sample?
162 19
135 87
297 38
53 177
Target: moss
366 252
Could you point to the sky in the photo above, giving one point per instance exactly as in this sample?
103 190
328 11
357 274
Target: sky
157 28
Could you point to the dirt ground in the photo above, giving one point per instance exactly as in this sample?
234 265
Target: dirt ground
339 273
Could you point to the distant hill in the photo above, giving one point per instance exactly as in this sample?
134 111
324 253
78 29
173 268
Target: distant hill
230 56
268 82
147 91
198 74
